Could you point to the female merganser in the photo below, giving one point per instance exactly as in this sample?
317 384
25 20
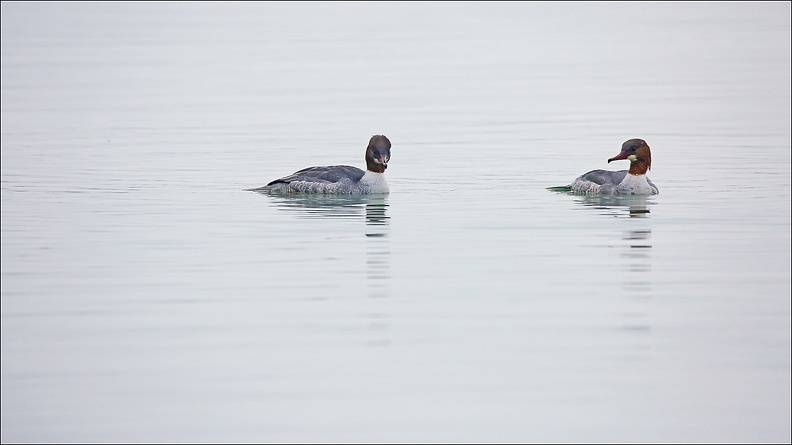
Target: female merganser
623 182
340 178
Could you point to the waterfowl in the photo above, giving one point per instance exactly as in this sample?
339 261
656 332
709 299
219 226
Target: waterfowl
340 179
623 182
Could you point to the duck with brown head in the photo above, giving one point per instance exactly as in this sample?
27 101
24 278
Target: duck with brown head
340 179
623 182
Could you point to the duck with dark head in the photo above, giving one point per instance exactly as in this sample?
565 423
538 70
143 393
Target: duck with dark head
623 182
340 179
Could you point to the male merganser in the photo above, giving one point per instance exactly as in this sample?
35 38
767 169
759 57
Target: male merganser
340 178
623 182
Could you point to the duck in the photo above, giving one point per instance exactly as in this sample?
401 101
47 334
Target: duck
340 179
623 182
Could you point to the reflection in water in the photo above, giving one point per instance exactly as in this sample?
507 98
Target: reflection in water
378 267
639 262
374 208
377 249
322 206
636 248
636 282
637 206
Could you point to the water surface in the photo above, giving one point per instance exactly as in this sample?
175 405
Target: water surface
146 297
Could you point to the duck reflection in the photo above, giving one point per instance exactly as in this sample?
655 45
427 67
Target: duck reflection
637 251
634 206
377 249
636 242
324 206
378 272
635 248
373 209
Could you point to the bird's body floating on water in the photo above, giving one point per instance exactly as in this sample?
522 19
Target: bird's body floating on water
340 179
622 182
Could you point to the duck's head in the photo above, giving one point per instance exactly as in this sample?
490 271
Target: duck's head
378 153
639 155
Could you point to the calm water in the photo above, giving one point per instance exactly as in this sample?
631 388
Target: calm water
147 297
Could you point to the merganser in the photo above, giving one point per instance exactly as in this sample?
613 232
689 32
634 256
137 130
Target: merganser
342 179
623 182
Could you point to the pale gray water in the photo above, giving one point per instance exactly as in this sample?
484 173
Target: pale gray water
147 297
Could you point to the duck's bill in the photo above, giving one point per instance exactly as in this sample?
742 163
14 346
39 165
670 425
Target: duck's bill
622 155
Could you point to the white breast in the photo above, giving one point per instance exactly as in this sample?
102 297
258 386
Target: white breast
635 185
374 183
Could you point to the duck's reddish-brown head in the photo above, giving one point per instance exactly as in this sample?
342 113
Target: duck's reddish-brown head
378 153
639 155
